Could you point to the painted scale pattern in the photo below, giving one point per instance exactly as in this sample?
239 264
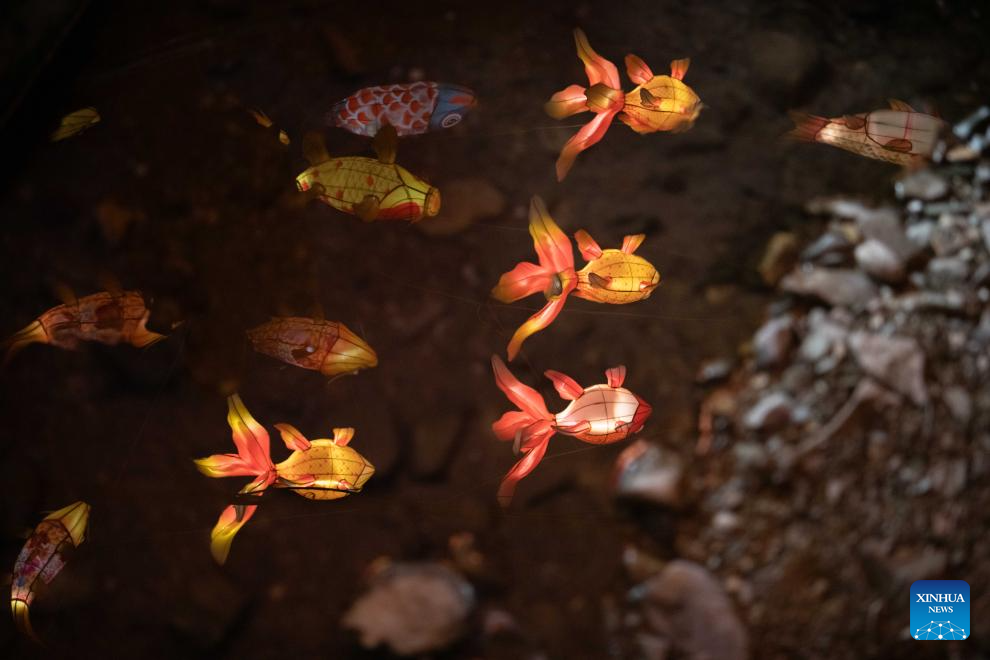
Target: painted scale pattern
407 107
673 107
631 278
41 559
329 347
338 470
347 181
611 413
868 134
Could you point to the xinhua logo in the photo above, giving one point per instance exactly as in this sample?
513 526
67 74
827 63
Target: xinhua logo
940 610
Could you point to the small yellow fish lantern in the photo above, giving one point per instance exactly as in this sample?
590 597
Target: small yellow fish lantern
43 557
324 469
75 123
368 188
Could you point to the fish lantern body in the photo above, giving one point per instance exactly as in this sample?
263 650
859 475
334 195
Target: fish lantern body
412 108
44 556
325 469
616 277
106 318
599 415
657 103
899 135
325 346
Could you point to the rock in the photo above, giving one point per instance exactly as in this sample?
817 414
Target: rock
713 371
824 337
773 341
884 225
850 288
959 403
922 184
645 471
779 257
413 608
687 607
879 261
948 477
464 202
770 413
830 249
920 233
943 272
911 564
897 362
965 128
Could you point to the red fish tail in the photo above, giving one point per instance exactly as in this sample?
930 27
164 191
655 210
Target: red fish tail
806 127
523 280
532 407
251 439
569 101
589 135
32 334
536 439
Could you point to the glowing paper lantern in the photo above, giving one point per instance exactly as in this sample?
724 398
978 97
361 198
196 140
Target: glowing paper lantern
325 346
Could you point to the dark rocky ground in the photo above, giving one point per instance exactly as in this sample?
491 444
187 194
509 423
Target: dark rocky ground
178 192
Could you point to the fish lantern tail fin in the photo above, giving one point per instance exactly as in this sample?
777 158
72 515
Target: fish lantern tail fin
32 334
230 522
534 324
532 407
569 101
22 618
589 135
806 127
535 440
332 118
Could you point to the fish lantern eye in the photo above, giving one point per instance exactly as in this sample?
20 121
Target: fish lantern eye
556 287
452 119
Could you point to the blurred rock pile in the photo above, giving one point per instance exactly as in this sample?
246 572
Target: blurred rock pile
846 453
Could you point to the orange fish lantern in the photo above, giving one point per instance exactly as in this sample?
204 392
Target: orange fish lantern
322 469
412 108
107 318
43 557
657 103
611 276
900 135
368 188
325 346
599 415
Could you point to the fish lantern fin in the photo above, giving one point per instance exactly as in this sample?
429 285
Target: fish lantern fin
901 106
647 99
342 435
566 387
315 148
528 400
638 70
551 244
631 243
678 68
33 334
576 427
368 208
22 619
900 145
292 438
385 143
597 68
540 433
230 522
250 437
589 135
854 122
598 281
523 280
616 376
299 481
806 127
569 101
587 245
534 324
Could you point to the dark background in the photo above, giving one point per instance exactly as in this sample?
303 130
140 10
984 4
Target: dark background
178 193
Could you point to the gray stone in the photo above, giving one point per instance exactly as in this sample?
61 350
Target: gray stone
413 608
830 249
879 261
959 403
773 341
771 412
647 472
943 272
922 184
897 362
713 371
835 286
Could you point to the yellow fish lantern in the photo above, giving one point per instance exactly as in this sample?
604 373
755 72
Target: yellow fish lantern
322 469
44 556
616 277
371 189
75 123
900 135
657 103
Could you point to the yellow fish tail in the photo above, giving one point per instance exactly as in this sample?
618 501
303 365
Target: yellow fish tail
32 334
230 522
22 618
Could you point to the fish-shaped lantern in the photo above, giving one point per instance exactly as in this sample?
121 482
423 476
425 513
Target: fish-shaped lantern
107 318
657 103
611 276
329 347
44 556
900 134
325 469
75 123
412 108
368 188
599 415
